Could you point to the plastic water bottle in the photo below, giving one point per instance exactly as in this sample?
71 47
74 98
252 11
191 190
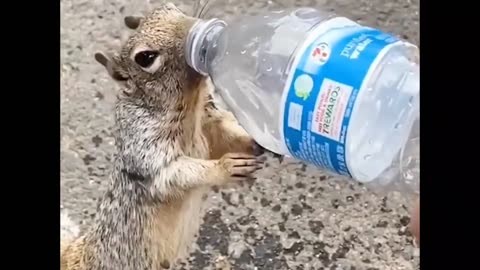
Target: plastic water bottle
320 88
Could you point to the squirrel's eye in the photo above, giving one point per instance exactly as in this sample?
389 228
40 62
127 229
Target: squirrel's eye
146 58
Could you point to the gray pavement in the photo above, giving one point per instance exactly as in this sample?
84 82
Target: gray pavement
294 217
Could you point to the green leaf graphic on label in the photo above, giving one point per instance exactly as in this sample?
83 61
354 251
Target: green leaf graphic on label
303 86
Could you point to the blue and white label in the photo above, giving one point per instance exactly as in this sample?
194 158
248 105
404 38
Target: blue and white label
322 88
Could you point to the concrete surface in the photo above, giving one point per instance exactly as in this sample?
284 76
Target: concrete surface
294 217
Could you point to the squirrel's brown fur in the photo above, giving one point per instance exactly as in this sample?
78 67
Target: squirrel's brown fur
173 144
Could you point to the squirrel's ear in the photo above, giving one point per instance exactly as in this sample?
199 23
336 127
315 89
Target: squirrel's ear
132 22
109 63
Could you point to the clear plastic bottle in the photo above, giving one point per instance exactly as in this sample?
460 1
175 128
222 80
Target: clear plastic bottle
320 88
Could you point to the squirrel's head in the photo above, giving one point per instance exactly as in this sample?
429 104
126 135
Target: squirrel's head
152 60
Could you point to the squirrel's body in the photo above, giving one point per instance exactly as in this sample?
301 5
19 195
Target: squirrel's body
173 145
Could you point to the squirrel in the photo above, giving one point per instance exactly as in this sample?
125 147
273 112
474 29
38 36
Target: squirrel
173 144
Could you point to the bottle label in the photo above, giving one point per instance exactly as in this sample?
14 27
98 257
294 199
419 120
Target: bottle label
322 87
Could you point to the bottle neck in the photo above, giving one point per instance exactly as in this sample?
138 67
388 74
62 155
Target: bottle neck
200 43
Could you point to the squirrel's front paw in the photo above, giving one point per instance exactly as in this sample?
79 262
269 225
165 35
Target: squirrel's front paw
259 150
239 166
250 147
253 148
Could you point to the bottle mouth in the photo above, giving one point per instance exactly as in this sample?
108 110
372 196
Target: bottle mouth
196 43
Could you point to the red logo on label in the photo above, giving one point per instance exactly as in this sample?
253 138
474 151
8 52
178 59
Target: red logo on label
321 53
